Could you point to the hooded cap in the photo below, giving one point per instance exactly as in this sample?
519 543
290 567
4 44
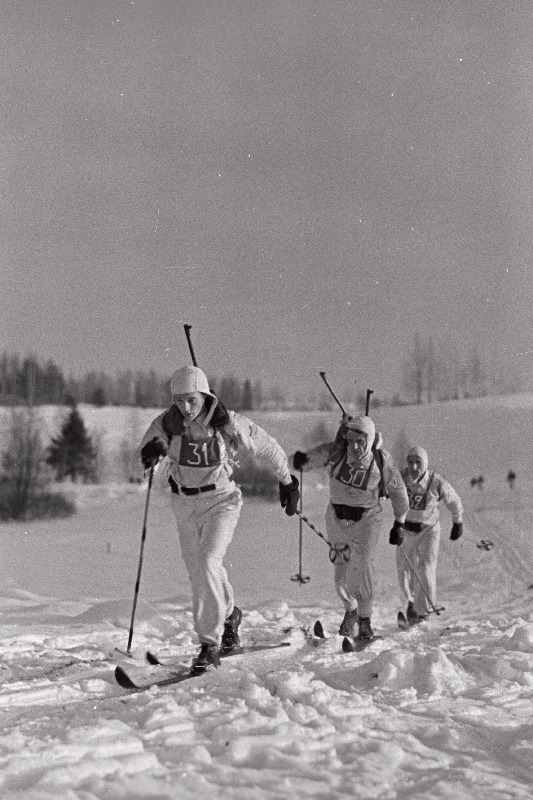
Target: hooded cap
189 379
419 452
363 425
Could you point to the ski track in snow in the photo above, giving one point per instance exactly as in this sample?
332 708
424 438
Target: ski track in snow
441 711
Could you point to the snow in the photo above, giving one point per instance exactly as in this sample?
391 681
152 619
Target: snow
440 711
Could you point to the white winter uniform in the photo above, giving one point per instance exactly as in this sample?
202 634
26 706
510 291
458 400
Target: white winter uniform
201 457
355 490
422 536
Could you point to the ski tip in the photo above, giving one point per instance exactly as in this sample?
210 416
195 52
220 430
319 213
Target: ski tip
152 659
123 679
318 630
347 645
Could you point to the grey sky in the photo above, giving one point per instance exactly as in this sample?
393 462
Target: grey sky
306 183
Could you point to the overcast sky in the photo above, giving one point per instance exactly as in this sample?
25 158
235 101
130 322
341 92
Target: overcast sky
308 184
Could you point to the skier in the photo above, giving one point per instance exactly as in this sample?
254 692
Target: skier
426 489
360 474
200 439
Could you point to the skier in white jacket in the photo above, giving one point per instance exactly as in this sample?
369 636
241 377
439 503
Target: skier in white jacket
360 474
426 488
200 439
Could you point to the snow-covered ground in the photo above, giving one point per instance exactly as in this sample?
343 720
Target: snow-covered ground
442 711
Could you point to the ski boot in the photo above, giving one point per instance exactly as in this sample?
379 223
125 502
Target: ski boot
365 633
230 637
347 624
207 657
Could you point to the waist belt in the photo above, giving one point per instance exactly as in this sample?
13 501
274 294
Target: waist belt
353 513
415 527
189 489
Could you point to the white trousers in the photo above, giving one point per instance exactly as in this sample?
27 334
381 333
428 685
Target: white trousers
422 550
354 578
206 524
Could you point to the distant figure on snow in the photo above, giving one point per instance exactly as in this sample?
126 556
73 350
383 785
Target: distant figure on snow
200 439
426 489
361 473
511 477
478 482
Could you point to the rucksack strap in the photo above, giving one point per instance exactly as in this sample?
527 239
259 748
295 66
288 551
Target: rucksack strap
380 460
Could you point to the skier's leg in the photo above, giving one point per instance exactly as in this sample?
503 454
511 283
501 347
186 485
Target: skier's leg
364 536
427 551
215 593
336 530
189 538
403 569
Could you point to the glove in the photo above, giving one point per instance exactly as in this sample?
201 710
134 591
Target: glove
289 496
151 452
396 533
457 531
299 460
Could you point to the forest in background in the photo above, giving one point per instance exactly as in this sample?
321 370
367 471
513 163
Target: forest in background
430 373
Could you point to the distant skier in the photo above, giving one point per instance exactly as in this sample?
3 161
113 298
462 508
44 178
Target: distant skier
511 477
201 439
426 489
478 482
360 475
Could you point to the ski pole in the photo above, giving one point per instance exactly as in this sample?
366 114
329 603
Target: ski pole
415 573
143 539
323 376
335 550
189 342
369 392
299 577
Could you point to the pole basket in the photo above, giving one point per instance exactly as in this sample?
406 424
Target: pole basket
301 578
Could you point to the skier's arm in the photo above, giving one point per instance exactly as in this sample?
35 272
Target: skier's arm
261 445
314 458
396 488
451 500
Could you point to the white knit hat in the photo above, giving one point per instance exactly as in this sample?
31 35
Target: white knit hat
189 379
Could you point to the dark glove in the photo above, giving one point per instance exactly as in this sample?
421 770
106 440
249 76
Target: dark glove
299 460
457 531
396 533
289 496
151 452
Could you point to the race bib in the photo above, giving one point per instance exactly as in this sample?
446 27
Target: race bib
354 476
417 501
199 452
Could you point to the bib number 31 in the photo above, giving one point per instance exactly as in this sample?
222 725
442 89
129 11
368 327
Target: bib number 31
200 453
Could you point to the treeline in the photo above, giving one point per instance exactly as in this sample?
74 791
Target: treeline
31 381
430 373
438 372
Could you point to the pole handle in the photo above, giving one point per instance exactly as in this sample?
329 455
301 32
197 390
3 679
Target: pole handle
369 393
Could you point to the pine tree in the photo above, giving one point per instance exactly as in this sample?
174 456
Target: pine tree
72 453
